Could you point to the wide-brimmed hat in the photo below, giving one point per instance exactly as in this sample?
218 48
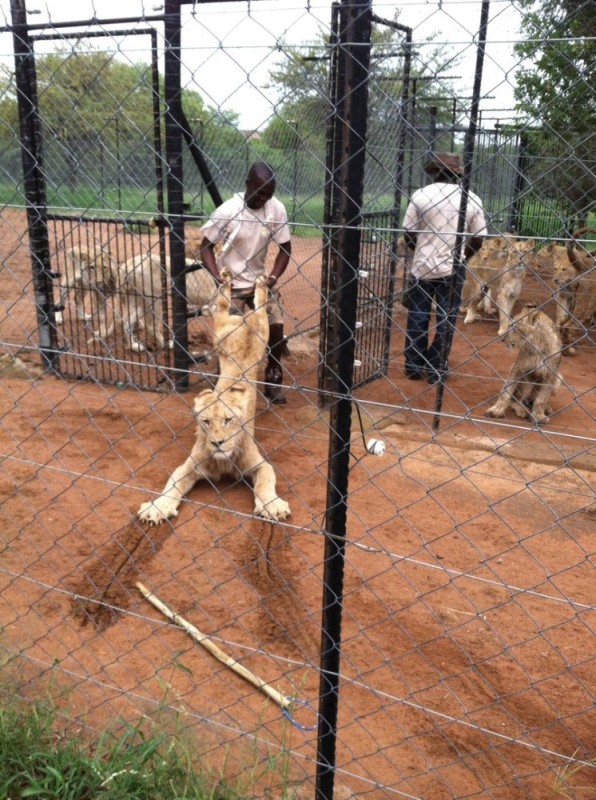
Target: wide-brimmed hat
443 162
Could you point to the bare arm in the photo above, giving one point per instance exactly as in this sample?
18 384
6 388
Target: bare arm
208 258
282 259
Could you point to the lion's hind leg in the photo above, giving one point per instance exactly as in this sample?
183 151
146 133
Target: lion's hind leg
261 293
541 408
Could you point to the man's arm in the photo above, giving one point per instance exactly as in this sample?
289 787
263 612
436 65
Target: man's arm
208 258
410 239
282 259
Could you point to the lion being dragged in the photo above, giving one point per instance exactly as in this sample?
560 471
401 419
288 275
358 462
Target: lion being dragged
225 442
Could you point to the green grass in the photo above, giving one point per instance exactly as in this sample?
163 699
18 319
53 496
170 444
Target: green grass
37 762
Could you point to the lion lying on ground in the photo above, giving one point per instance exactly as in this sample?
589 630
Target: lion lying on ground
535 374
92 274
494 279
139 310
225 442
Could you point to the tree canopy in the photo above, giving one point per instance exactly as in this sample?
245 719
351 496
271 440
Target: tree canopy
556 88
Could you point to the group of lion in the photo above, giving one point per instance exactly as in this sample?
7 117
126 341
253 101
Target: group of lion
225 444
136 290
494 280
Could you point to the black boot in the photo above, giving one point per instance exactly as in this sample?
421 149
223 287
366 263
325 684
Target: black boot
273 371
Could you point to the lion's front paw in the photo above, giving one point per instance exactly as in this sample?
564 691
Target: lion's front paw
226 276
261 280
495 411
157 511
275 509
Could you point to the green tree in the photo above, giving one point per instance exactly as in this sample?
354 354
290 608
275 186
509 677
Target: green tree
556 87
304 106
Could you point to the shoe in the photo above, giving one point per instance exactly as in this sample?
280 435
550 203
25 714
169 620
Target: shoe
414 375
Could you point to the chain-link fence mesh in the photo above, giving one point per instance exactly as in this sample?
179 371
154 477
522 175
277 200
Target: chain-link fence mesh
465 572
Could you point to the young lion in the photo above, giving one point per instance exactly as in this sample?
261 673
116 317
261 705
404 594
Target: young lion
534 375
225 442
224 446
575 293
91 273
495 278
140 304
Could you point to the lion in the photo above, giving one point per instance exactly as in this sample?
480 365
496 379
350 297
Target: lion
93 274
575 288
139 306
534 375
224 445
241 340
497 269
225 442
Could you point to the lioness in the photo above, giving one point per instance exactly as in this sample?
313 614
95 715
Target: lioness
534 376
575 288
224 446
225 442
91 273
139 306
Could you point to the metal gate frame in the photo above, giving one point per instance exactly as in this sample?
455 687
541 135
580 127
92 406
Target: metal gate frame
176 129
378 251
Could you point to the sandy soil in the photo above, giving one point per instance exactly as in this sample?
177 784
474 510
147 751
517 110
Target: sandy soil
467 649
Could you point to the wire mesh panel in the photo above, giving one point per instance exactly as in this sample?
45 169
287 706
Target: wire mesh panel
112 308
464 577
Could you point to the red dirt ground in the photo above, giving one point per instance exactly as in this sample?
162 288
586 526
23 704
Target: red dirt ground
467 658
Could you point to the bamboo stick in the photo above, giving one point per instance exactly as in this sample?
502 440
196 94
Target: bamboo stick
205 641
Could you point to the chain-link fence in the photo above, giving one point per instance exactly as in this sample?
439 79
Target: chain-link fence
422 623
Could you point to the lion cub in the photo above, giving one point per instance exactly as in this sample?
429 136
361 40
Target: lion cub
535 374
225 442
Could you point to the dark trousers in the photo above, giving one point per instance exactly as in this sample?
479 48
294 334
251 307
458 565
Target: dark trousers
421 356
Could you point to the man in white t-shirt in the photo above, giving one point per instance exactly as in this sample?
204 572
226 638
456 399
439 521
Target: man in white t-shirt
430 225
247 224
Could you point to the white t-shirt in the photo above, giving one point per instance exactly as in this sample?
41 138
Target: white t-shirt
246 233
433 214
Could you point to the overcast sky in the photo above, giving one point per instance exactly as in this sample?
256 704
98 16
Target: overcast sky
229 48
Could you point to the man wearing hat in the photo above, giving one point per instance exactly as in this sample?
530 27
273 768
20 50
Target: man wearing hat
430 226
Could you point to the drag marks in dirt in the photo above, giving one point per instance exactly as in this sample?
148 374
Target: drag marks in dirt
107 586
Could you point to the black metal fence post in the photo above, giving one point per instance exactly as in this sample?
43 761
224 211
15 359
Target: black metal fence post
173 98
34 180
458 275
353 69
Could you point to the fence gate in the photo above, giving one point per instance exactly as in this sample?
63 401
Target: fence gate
81 317
379 253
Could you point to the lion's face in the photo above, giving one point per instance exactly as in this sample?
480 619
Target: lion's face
563 272
94 270
220 424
